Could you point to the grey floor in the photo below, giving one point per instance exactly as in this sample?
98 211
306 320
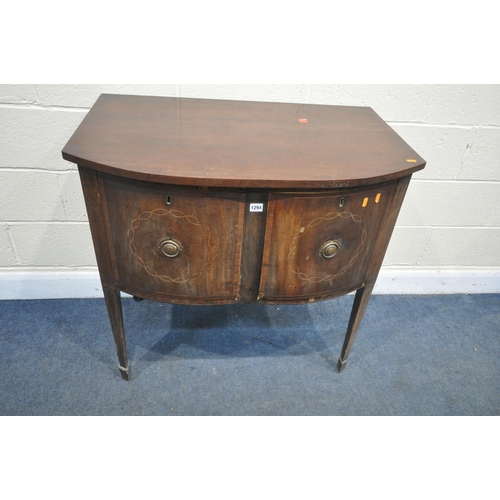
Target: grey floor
414 355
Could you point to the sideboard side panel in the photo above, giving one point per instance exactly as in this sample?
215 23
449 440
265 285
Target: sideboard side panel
90 187
387 228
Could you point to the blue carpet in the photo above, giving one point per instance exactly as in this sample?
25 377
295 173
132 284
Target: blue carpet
414 355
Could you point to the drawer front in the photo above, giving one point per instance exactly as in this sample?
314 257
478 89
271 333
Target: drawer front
320 244
178 243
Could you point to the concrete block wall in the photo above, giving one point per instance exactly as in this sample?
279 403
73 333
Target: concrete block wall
447 238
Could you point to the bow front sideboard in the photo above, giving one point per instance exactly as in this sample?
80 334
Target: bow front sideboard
201 201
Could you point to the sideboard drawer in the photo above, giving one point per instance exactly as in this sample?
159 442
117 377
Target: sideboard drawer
175 242
320 244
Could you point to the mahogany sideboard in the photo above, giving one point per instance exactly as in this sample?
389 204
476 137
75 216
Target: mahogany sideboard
201 201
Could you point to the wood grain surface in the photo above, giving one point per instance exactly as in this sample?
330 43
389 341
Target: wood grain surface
206 142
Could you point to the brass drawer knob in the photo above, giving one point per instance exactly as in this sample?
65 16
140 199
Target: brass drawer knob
329 249
170 248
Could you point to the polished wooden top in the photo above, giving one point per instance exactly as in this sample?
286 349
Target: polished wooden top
245 144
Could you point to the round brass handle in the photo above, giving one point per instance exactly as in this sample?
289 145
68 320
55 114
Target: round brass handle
170 248
329 249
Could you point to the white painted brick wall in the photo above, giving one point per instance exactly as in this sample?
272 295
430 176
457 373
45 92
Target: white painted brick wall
450 219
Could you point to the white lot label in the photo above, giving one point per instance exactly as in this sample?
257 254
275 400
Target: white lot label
256 207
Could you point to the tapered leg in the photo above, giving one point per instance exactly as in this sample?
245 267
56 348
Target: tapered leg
114 306
358 310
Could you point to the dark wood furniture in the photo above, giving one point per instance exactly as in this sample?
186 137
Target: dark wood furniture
194 201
